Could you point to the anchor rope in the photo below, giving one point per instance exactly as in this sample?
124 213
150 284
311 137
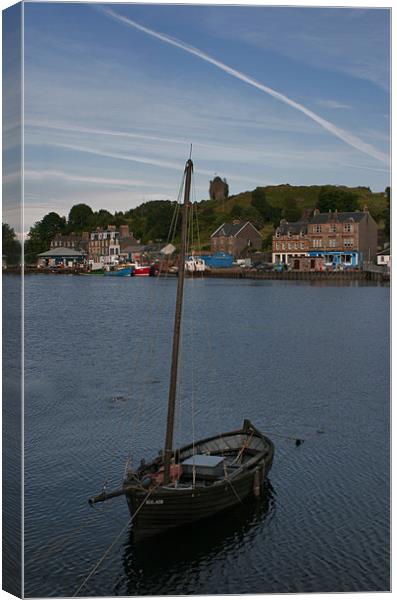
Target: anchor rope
104 555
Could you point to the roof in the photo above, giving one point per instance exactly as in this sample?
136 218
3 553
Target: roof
385 252
339 217
56 252
293 228
131 248
232 229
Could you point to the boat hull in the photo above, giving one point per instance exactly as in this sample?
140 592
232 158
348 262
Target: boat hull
166 507
119 273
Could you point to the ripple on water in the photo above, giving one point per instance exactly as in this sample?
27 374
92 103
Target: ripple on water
299 361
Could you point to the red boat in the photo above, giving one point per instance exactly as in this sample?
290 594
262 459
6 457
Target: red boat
144 270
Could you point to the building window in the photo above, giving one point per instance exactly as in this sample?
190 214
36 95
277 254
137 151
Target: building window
348 243
277 234
317 242
332 242
348 227
317 229
302 245
277 246
332 228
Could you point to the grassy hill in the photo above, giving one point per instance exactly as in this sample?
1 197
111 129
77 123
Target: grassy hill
281 198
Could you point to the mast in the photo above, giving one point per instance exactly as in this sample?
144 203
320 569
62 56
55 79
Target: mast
177 327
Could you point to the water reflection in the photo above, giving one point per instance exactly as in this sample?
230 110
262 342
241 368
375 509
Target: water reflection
189 548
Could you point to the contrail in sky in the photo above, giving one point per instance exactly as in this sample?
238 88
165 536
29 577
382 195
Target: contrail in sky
347 137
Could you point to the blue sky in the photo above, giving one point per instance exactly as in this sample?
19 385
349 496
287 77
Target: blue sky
266 95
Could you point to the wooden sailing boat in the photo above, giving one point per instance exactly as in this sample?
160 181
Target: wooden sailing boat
198 480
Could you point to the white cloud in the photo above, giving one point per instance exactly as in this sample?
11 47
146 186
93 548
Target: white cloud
36 175
332 104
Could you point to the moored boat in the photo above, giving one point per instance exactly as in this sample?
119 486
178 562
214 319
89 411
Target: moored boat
124 272
200 479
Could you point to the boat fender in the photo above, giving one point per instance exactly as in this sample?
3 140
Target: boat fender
257 483
146 481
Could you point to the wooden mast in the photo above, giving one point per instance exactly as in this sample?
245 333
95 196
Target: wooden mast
168 448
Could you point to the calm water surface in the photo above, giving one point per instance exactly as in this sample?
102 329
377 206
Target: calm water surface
299 360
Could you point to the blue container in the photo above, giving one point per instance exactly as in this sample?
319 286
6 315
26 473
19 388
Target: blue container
220 260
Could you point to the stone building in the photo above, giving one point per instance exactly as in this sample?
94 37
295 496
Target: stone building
290 241
219 189
77 241
342 239
104 245
236 237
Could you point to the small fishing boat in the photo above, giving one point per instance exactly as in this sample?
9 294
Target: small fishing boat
201 479
139 270
125 272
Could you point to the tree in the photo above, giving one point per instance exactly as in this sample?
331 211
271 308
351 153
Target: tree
331 198
11 246
152 220
237 211
80 217
41 233
387 213
267 211
102 218
291 211
50 225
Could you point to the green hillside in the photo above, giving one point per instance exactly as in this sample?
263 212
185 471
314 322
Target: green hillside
265 206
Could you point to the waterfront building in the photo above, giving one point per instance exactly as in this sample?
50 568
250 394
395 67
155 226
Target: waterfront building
383 258
131 251
341 239
306 263
236 237
78 241
290 241
104 245
62 257
344 239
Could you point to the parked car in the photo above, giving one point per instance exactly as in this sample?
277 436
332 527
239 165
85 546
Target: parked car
264 266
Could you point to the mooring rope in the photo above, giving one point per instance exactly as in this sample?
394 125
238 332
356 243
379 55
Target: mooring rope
100 561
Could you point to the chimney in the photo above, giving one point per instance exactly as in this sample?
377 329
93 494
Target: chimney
316 212
124 231
236 222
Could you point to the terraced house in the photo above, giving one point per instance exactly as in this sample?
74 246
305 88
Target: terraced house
290 241
341 239
344 239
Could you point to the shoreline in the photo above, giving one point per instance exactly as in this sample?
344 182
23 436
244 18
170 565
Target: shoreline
230 273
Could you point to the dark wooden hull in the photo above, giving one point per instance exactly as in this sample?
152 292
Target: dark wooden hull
167 507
